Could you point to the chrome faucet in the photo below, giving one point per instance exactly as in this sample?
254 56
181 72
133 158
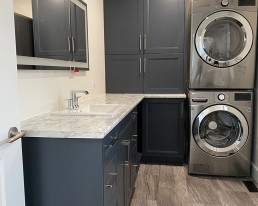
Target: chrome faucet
74 99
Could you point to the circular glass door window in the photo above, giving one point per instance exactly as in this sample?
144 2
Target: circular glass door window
224 39
220 130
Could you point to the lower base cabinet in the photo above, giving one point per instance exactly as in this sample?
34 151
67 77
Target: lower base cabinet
163 135
82 172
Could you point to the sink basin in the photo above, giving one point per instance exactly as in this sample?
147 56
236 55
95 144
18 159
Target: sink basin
92 110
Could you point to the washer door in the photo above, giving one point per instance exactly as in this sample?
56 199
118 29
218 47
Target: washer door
224 39
220 130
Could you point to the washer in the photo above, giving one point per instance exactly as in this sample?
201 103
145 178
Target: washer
221 132
223 44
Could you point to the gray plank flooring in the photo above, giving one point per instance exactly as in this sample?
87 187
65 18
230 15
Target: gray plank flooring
165 185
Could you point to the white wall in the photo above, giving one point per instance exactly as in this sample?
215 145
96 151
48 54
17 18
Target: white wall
44 91
23 7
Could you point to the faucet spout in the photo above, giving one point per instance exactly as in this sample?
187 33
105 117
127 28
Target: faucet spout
74 98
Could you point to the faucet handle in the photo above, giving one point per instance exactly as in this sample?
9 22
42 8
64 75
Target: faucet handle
76 102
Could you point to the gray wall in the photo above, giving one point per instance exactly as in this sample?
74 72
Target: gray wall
255 143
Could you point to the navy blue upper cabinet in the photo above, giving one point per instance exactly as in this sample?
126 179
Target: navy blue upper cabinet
163 73
78 33
149 26
163 26
136 31
123 26
60 30
51 29
124 73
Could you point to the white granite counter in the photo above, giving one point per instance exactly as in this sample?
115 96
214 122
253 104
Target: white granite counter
93 127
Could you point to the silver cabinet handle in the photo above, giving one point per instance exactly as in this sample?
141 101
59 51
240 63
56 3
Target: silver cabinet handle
73 43
140 65
140 42
144 66
182 111
135 169
127 163
145 41
111 184
69 43
128 144
13 135
114 139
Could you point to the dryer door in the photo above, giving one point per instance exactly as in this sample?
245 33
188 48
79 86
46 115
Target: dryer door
224 39
220 130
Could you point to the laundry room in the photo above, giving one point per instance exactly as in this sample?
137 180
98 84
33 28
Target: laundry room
128 103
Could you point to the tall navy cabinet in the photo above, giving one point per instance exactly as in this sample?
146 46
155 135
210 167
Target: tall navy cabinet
144 43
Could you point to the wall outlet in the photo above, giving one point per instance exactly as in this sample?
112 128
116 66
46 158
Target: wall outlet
93 82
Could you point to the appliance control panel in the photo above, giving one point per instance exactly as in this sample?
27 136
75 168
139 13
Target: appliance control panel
221 97
204 6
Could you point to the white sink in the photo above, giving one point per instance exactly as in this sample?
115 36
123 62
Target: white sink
92 110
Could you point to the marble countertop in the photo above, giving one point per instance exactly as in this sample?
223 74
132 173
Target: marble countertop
92 127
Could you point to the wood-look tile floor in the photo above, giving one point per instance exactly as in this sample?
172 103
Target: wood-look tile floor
164 185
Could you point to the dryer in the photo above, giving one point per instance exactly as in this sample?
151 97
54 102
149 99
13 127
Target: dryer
223 44
221 136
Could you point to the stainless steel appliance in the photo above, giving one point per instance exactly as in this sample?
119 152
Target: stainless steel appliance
223 42
221 132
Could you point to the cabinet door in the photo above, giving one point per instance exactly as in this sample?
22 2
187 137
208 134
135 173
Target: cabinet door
24 35
110 178
123 26
134 155
163 73
164 26
163 135
120 174
124 74
51 29
78 28
24 38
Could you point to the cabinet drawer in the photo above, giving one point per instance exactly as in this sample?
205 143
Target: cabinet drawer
110 178
110 141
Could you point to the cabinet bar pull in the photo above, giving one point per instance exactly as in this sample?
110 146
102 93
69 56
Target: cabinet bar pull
182 111
69 43
144 66
127 143
140 42
112 181
145 41
127 163
114 139
140 65
73 44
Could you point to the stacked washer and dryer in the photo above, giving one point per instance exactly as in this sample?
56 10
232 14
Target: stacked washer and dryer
222 76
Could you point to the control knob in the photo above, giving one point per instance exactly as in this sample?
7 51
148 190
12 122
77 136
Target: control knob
224 3
221 97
